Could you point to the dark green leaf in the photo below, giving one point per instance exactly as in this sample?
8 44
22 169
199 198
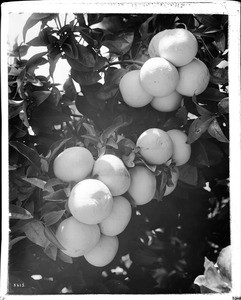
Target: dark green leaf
119 123
31 154
20 51
40 96
56 95
65 258
85 78
48 233
35 61
51 251
86 56
15 240
92 138
207 20
161 185
48 115
219 76
53 217
188 174
69 88
215 131
52 63
51 183
213 151
182 115
18 212
59 195
32 20
211 94
144 257
201 110
91 96
221 41
114 75
144 28
120 44
56 147
37 42
223 106
34 231
199 157
198 127
36 182
100 62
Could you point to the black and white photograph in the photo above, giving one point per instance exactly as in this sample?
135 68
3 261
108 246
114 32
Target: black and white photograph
121 149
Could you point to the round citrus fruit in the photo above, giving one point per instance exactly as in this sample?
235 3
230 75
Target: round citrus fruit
181 150
119 217
90 201
155 146
179 46
224 262
104 252
77 238
158 77
111 170
143 185
73 164
132 91
174 178
194 78
167 103
153 47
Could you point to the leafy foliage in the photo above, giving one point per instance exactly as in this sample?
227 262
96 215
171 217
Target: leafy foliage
163 248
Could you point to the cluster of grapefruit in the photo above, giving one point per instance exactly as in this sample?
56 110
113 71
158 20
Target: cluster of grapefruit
171 72
98 202
98 210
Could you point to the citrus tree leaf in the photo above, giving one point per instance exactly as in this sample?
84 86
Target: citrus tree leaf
35 61
120 44
20 51
38 183
211 94
86 56
198 127
56 147
31 154
33 20
108 132
53 217
18 212
59 195
85 78
52 63
69 88
201 110
65 258
51 183
15 240
56 95
52 238
51 251
34 231
223 106
215 131
199 155
40 96
188 174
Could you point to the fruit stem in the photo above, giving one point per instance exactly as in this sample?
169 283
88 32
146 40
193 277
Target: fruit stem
128 61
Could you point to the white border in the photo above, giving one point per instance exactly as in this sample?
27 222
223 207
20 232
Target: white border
232 8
